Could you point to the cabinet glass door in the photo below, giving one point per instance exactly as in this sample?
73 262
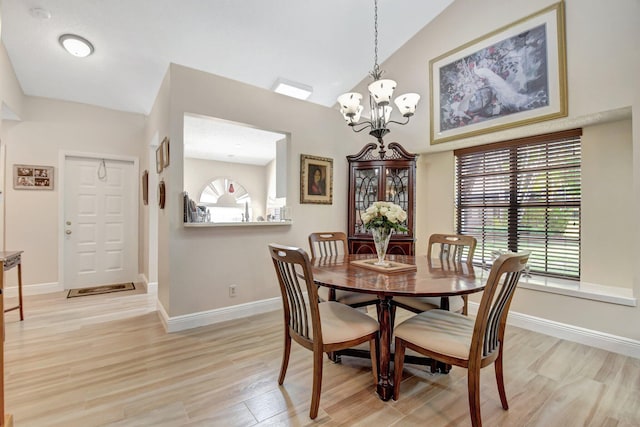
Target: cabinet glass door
366 192
397 187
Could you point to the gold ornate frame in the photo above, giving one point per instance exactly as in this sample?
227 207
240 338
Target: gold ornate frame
322 191
459 85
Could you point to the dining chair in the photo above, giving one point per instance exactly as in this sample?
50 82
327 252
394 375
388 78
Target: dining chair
321 327
332 243
459 340
453 248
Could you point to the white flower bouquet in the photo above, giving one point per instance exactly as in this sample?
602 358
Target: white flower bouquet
384 215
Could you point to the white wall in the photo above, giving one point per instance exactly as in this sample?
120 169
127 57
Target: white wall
198 173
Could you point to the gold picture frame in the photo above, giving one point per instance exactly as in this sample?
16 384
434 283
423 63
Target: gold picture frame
316 180
513 76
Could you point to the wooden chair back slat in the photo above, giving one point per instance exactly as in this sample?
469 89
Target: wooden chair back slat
494 305
295 276
328 243
453 246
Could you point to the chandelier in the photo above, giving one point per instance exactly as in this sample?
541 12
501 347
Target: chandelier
380 93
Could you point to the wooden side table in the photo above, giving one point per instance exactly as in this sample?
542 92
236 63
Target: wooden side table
9 260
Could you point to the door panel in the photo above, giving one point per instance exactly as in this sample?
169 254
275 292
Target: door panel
99 217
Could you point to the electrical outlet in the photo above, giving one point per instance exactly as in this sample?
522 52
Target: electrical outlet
232 290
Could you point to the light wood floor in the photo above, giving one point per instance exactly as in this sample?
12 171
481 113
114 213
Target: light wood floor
106 361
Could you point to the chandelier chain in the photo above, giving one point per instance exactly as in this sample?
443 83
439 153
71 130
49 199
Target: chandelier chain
376 68
380 93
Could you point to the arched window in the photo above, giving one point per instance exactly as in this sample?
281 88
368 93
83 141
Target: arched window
227 200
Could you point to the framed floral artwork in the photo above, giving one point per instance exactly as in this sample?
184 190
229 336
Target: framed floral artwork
511 77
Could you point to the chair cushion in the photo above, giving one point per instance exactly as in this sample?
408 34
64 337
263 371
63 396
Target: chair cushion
342 323
440 331
347 297
429 303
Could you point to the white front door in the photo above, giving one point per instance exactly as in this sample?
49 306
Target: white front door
99 222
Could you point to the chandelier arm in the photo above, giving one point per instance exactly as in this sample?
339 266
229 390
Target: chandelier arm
364 125
400 123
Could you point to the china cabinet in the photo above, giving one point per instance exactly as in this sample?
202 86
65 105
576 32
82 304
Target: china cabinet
379 174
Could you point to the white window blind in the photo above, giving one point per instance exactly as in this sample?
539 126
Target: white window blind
523 195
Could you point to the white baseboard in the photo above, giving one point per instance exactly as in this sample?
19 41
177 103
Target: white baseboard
37 289
210 317
152 287
602 340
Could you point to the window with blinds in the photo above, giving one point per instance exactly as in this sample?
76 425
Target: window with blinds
523 195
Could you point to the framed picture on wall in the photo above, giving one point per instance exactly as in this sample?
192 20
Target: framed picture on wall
165 152
316 179
514 76
32 177
159 161
145 187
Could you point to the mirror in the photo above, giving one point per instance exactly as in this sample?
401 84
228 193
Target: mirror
233 172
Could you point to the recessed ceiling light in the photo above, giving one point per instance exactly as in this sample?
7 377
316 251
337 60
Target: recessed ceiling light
76 45
293 89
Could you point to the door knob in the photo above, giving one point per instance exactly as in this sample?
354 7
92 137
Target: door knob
68 222
68 231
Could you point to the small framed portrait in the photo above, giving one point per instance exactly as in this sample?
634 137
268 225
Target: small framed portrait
32 177
316 180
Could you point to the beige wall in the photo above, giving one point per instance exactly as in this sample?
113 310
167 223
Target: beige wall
198 265
10 91
603 63
590 95
155 244
195 266
607 181
47 128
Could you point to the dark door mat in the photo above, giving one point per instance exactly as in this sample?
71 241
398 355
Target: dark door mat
97 290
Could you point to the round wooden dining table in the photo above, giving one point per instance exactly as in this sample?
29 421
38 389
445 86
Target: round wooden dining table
405 276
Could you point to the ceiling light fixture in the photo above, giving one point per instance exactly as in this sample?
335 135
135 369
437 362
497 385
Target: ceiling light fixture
76 45
293 89
380 93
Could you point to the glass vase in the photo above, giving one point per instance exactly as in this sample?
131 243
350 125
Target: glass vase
381 238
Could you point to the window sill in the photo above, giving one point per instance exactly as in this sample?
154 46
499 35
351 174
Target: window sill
609 294
236 224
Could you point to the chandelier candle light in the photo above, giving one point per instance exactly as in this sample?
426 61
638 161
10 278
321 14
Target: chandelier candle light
380 93
382 218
